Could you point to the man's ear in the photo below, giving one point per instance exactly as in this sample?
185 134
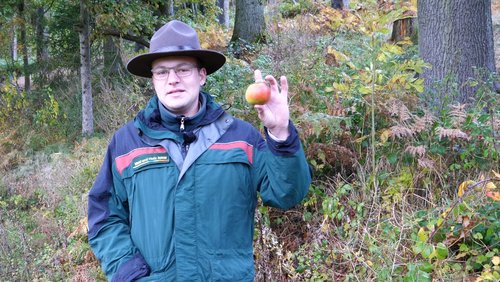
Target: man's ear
203 76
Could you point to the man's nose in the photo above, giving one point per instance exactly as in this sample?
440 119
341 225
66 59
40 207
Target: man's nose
172 76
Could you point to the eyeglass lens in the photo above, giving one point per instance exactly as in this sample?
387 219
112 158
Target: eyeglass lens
180 71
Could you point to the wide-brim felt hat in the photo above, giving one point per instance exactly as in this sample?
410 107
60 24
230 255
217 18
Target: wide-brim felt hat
175 38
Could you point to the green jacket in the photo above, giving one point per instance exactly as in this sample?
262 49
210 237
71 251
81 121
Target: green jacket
174 205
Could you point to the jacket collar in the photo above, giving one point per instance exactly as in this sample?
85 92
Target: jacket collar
149 120
173 122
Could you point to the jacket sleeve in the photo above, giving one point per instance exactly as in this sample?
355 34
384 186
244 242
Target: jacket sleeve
283 172
109 230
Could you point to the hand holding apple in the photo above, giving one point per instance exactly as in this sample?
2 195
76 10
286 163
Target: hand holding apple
275 113
258 93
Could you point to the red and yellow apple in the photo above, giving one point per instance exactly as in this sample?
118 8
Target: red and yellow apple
258 93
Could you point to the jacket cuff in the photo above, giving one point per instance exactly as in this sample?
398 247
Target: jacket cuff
136 267
284 148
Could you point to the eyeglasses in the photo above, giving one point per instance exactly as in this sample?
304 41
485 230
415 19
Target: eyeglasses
181 71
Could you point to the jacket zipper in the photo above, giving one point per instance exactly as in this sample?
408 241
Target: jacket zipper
184 147
182 124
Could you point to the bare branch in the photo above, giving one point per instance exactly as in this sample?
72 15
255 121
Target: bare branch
128 36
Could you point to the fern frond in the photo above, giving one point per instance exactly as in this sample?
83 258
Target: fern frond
457 114
416 150
398 109
424 122
425 163
451 133
399 131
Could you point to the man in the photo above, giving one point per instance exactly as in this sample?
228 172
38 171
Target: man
176 195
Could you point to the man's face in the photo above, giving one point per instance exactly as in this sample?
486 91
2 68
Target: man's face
177 82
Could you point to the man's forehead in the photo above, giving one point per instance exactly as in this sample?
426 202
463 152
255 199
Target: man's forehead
173 61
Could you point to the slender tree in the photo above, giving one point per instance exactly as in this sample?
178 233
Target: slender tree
42 51
456 38
24 45
85 71
14 45
113 63
223 17
171 8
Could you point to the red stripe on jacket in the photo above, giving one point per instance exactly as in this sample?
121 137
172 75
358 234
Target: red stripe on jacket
124 161
247 148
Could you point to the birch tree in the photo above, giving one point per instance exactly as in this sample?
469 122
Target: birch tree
85 71
24 45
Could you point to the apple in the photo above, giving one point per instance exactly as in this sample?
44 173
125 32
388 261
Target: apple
258 93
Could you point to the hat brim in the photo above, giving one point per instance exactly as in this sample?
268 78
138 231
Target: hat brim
210 60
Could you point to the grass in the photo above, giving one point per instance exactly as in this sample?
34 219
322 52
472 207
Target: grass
43 203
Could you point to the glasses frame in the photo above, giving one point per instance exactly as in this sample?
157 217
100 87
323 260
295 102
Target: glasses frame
176 69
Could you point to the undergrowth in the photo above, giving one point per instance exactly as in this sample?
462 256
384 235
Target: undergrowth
400 191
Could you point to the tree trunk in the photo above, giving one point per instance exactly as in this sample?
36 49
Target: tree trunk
14 45
223 17
13 52
171 8
220 16
42 53
24 44
113 63
249 23
87 111
455 37
165 8
202 9
340 4
403 28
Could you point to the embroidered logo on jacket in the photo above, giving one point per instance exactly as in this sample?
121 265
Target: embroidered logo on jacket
150 160
140 157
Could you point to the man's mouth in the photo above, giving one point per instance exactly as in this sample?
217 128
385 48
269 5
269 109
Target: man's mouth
175 91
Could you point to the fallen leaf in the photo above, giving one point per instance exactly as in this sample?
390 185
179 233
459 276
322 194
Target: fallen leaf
495 260
495 196
464 187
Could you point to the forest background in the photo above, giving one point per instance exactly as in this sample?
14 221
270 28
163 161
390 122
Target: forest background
405 171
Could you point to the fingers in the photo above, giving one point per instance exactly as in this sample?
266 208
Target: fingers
284 85
257 76
259 108
272 82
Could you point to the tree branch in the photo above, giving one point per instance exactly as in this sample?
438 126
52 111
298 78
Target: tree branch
128 36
